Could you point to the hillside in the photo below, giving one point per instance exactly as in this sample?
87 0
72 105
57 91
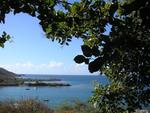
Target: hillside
5 74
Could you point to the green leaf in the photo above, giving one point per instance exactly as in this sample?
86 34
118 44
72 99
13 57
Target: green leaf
50 2
2 45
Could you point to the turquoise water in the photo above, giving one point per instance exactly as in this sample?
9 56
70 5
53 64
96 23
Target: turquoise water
81 89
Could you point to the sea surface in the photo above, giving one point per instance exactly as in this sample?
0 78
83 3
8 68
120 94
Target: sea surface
81 89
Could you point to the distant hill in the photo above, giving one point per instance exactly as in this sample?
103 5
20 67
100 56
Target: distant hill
5 74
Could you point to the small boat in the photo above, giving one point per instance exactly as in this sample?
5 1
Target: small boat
46 100
27 88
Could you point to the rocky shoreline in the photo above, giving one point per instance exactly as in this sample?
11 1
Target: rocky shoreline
48 84
8 78
30 82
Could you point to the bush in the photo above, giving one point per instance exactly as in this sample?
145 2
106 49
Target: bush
76 107
33 106
24 106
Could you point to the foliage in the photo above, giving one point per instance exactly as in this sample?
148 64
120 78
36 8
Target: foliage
24 106
76 107
122 54
5 37
35 106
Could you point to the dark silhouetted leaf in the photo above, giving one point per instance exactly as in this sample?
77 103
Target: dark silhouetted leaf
86 61
86 50
95 65
79 59
95 51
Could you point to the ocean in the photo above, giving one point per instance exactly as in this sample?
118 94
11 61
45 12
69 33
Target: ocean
81 89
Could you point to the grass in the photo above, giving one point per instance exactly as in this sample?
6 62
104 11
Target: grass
33 106
24 106
76 107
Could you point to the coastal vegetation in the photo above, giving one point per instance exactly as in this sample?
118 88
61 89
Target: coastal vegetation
24 106
122 53
8 78
34 106
6 75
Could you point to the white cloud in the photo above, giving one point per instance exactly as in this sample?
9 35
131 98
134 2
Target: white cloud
76 69
29 67
52 67
81 68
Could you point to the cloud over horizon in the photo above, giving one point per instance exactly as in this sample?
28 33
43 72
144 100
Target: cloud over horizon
31 68
53 67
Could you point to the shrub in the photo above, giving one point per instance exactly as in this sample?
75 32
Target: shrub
24 106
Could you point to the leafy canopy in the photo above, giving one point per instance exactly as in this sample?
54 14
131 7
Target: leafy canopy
122 55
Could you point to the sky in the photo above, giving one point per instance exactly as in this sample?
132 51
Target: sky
30 52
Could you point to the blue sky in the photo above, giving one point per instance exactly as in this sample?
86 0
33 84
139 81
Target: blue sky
29 51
